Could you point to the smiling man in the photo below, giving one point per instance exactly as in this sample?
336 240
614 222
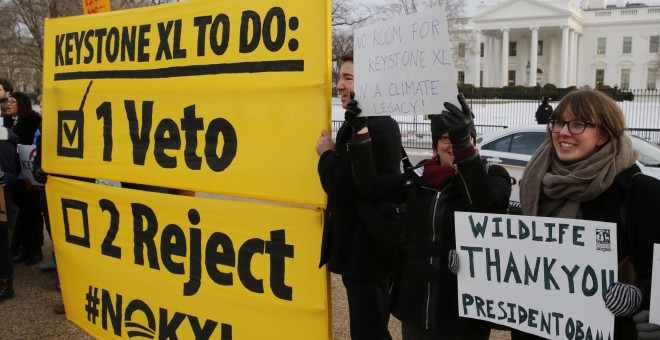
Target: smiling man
353 244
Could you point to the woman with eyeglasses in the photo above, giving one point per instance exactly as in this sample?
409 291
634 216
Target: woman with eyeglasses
425 291
586 170
29 237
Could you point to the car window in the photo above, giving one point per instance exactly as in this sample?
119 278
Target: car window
501 144
524 143
649 154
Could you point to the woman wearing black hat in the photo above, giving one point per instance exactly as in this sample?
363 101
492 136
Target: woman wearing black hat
29 237
424 292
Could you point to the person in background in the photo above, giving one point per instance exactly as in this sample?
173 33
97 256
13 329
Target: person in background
586 170
6 88
8 141
351 244
29 236
39 176
425 292
543 112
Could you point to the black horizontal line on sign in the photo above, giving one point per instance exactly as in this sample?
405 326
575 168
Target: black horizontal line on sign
186 71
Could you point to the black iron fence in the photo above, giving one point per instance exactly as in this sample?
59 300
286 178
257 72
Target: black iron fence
642 117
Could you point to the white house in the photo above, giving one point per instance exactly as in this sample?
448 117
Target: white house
566 43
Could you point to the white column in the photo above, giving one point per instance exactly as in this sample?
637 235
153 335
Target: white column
570 66
549 45
574 51
505 58
563 71
533 56
477 59
490 70
578 71
498 61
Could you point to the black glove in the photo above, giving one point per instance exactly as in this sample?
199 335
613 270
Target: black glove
645 329
40 176
3 179
458 123
623 299
352 110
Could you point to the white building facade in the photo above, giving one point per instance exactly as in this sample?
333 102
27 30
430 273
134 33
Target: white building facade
568 44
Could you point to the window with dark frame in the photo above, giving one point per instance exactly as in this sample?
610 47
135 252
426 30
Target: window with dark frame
600 77
627 45
600 45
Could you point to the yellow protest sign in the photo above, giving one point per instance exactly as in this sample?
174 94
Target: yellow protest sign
225 97
141 263
95 6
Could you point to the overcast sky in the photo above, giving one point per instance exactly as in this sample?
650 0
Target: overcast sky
473 3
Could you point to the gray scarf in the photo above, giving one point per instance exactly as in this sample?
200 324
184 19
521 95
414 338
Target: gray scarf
549 187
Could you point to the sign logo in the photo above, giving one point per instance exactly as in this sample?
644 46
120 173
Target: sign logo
603 240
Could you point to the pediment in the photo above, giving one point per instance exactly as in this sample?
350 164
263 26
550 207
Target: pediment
512 9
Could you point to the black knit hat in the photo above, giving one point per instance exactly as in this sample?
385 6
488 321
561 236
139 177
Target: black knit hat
438 128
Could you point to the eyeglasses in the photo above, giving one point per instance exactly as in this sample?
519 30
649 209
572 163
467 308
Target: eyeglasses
11 102
575 127
445 140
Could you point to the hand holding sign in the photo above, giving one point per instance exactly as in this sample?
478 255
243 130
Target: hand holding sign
645 329
351 115
458 123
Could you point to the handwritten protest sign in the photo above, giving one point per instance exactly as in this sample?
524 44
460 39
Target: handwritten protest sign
186 95
544 276
166 266
654 317
404 66
96 6
193 95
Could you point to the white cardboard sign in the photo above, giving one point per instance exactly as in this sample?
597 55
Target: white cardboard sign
654 316
544 276
26 154
404 66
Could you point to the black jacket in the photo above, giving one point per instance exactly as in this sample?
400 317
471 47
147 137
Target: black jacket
543 113
631 202
425 292
8 141
349 245
26 126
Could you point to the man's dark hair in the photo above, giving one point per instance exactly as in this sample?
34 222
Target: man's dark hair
6 85
348 56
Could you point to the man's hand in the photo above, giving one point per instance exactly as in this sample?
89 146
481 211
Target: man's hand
645 329
325 143
351 115
458 123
